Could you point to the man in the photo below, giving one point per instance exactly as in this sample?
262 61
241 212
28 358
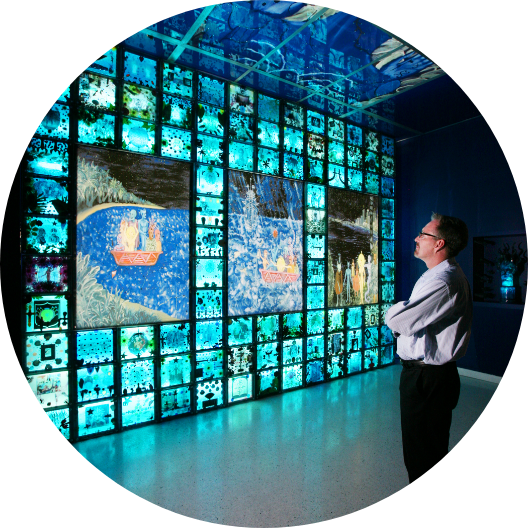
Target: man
432 329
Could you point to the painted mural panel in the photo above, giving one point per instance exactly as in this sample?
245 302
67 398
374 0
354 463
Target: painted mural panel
265 244
352 248
132 239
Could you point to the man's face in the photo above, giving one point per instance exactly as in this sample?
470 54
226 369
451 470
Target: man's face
425 244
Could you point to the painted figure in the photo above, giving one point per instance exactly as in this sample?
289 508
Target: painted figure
368 268
338 282
348 281
150 244
157 235
143 226
131 239
361 268
355 284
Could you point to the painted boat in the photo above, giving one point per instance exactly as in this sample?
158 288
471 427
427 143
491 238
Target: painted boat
136 258
280 277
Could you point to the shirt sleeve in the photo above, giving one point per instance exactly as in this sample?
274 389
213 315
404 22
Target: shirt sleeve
428 306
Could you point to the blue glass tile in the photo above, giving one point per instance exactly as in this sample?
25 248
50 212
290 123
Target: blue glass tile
137 342
209 211
292 325
209 394
292 350
268 161
336 152
315 347
268 134
293 115
371 183
315 170
336 344
241 99
336 129
387 208
315 272
291 377
315 246
239 360
176 80
208 335
208 304
336 176
210 90
240 331
175 401
315 322
386 336
267 328
95 346
209 365
137 409
384 308
315 221
386 354
267 355
176 143
293 166
47 157
371 314
240 388
139 102
174 338
96 417
106 64
97 92
211 120
355 135
177 111
387 166
268 108
46 235
56 124
354 317
46 312
293 140
387 292
95 128
370 337
268 382
137 376
241 128
61 420
387 187
354 362
50 389
45 196
209 273
336 319
240 156
387 250
316 146
316 196
355 158
335 367
371 358
355 180
371 161
315 122
175 370
387 229
46 352
314 297
210 150
387 146
387 271
372 141
354 340
138 136
314 371
95 383
209 242
209 180
140 70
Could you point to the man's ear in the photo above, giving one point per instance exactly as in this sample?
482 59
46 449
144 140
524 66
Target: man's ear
440 244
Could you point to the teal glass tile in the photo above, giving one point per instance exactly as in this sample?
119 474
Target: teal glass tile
354 362
176 80
371 358
315 221
96 418
315 272
293 115
370 337
241 99
316 196
335 367
61 420
138 136
210 119
106 64
314 371
50 389
209 335
355 158
387 229
291 377
47 157
139 102
387 166
371 161
315 246
336 129
95 346
315 347
267 328
336 344
177 111
239 360
46 235
175 370
354 317
268 382
386 354
241 128
355 135
240 156
209 211
210 150
387 292
355 180
372 141
137 376
56 124
387 271
46 312
137 342
315 122
336 152
174 338
209 394
314 297
208 304
387 187
240 331
387 249
387 145
137 409
315 170
268 134
371 183
240 388
176 143
384 308
139 70
292 325
209 180
210 90
46 274
354 340
46 352
97 92
268 108
268 161
267 355
315 322
175 402
336 176
209 365
293 166
386 337
95 383
371 313
293 140
95 128
316 146
209 242
387 208
336 319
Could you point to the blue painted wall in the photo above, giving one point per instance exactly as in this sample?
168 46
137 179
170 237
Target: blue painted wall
460 171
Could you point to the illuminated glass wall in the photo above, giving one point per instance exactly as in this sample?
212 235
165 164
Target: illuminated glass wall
189 244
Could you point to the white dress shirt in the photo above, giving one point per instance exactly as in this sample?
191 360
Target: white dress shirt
435 323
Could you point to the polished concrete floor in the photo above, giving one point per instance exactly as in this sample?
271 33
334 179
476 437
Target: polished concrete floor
298 458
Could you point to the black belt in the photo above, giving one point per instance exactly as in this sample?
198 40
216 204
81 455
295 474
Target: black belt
411 363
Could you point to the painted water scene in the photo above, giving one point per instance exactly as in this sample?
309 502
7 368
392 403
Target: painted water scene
265 244
132 239
352 248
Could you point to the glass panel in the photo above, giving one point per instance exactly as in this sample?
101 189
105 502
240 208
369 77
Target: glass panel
314 371
61 420
209 180
96 346
51 389
371 315
336 152
316 196
95 383
292 351
314 297
267 328
97 92
240 388
386 335
56 124
268 161
315 246
137 409
336 344
209 364
387 292
355 180
293 140
387 271
209 150
209 394
240 156
315 347
292 325
175 402
336 176
370 337
106 64
208 304
174 338
268 134
267 382
140 70
241 128
371 161
315 170
267 355
137 376
95 128
315 221
384 308
335 366
46 235
240 331
139 136
355 135
354 362
315 122
387 145
209 273
387 229
387 187
372 140
316 146
315 272
137 342
336 129
46 312
208 335
387 354
293 166
268 108
387 208
291 377
175 370
387 166
354 340
336 320
354 317
241 99
210 90
177 111
371 358
96 417
293 115
209 211
176 80
176 143
47 157
355 158
211 120
315 322
46 274
139 102
239 360
46 352
371 183
209 242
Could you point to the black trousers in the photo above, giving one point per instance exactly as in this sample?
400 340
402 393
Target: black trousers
428 395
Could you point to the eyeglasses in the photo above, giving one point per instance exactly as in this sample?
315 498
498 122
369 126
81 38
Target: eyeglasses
421 234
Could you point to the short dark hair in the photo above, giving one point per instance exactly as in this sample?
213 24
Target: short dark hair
454 231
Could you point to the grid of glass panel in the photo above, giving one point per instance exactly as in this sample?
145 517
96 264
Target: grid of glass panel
103 380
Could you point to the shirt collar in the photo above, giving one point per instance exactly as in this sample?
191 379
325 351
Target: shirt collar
440 267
